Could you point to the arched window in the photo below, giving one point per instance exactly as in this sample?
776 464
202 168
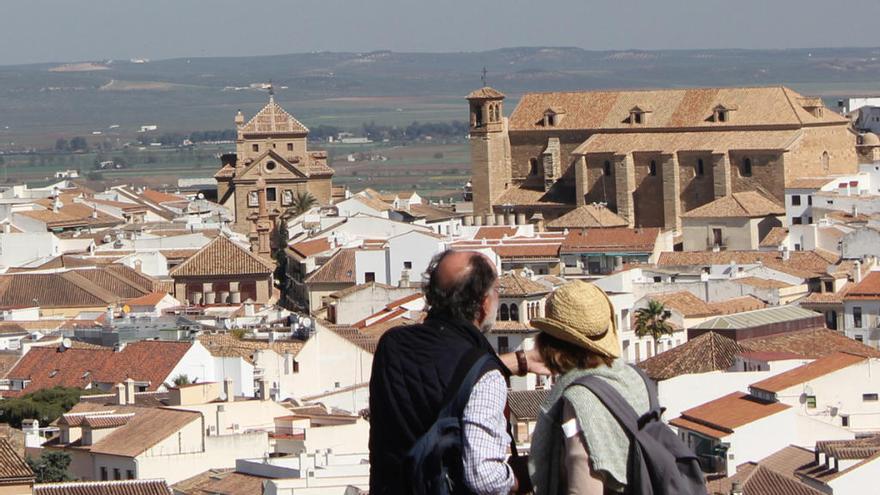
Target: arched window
747 167
825 160
505 313
606 167
700 168
652 169
533 166
514 312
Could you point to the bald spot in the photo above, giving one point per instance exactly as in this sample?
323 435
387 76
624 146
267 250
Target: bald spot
455 266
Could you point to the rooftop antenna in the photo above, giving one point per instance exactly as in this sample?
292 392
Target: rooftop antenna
483 77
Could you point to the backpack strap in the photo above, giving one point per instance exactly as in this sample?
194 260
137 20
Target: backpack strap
613 401
455 406
651 386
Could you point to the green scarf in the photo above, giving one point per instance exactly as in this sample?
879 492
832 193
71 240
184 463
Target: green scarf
607 442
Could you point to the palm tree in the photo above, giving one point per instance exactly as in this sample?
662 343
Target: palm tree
651 321
303 201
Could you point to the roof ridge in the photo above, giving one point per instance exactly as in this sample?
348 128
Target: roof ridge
87 285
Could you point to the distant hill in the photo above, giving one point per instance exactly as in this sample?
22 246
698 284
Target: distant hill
42 102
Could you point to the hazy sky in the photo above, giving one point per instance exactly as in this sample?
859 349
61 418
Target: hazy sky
67 30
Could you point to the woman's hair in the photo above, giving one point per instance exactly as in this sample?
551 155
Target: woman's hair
561 357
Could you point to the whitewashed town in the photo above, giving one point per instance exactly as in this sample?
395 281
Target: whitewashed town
708 254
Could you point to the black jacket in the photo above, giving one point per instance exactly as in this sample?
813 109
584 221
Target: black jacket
412 370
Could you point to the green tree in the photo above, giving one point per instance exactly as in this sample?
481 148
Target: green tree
61 144
46 405
652 321
182 380
303 201
79 143
51 466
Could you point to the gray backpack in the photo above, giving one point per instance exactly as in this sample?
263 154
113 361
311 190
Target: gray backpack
659 462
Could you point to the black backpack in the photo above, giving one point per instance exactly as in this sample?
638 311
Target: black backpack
433 465
659 462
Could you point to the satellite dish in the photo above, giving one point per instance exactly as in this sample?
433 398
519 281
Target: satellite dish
66 344
201 196
306 322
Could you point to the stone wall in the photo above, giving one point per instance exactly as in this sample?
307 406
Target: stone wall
598 187
648 194
696 189
826 150
768 172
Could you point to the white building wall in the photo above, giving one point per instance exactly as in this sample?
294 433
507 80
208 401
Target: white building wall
329 362
860 480
240 371
371 261
19 248
761 438
414 247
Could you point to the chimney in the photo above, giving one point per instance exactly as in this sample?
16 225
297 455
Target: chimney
228 390
404 278
120 394
129 391
221 419
736 488
857 269
786 254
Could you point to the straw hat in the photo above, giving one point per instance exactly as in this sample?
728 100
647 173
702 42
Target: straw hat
581 314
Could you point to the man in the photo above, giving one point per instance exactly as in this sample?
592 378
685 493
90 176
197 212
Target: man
414 365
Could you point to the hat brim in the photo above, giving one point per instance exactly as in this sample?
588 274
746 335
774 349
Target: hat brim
606 344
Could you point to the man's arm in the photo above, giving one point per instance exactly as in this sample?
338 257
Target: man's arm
533 358
486 441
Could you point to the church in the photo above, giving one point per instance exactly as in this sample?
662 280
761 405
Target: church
649 155
271 166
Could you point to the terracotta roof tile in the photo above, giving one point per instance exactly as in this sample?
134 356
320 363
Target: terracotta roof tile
122 487
806 264
311 247
432 213
685 302
761 480
148 361
775 238
670 142
495 232
762 283
273 119
708 352
106 421
525 404
611 239
159 197
73 288
485 92
810 371
12 466
226 345
221 481
732 411
737 305
749 204
810 343
375 204
808 182
340 268
520 195
868 288
588 216
222 257
514 285
670 108
151 299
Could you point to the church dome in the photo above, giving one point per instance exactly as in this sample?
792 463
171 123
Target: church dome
870 139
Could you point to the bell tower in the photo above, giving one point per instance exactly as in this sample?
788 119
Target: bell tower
490 148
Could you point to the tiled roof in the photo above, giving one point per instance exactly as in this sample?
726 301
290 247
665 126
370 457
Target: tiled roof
495 232
775 237
7 362
729 412
808 182
221 481
431 213
12 466
222 257
226 345
159 197
367 342
147 427
149 361
760 480
311 247
339 269
670 108
122 487
628 142
531 250
557 196
273 119
707 352
750 204
685 302
485 92
761 283
810 343
88 287
375 204
588 216
737 305
512 327
106 421
611 239
804 264
766 316
810 371
525 404
73 215
868 288
513 284
151 299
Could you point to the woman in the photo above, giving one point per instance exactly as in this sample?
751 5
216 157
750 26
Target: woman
578 447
